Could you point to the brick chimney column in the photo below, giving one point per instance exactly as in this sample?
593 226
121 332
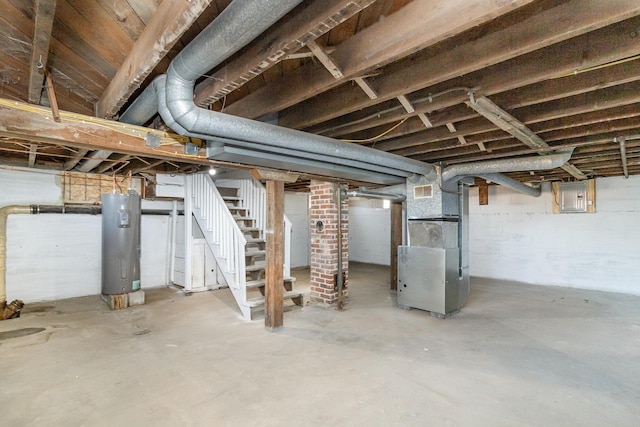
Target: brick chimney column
324 243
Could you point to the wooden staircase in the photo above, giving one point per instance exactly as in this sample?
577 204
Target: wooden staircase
255 254
232 216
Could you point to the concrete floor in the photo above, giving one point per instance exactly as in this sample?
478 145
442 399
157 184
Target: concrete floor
515 355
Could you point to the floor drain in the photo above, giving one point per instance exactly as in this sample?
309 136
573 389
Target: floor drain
19 333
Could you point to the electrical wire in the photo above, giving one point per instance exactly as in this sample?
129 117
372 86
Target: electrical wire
377 114
601 66
394 127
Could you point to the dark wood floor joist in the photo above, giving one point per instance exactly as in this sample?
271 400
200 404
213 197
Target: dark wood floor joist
526 37
166 27
400 34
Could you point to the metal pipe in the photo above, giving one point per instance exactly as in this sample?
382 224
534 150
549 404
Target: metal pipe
623 157
512 183
550 161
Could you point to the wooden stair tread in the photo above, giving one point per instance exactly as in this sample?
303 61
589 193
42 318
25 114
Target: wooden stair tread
255 253
251 284
254 267
257 240
231 198
259 301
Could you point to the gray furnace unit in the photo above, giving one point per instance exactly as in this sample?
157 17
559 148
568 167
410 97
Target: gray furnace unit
433 269
120 243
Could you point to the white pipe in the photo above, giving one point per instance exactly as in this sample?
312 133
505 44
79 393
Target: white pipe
4 213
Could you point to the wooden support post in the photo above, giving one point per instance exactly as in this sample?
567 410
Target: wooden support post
274 290
396 240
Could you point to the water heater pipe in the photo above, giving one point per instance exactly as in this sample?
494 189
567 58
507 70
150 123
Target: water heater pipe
4 213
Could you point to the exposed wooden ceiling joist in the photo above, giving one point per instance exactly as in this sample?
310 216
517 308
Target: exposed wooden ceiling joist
314 20
526 37
44 13
400 34
165 28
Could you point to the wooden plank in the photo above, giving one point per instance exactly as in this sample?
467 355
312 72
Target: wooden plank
266 174
126 17
396 240
325 59
84 30
32 123
274 288
311 22
537 93
398 35
483 195
366 88
44 13
166 27
525 37
55 112
72 162
33 151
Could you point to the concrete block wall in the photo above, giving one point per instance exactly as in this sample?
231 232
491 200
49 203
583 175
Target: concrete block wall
324 242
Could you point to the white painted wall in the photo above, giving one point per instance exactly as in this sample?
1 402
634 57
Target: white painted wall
53 256
516 237
296 207
369 231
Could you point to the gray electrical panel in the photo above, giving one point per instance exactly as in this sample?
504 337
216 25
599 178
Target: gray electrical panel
572 197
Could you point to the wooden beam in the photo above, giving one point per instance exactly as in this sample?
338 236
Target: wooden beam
44 13
537 93
274 289
366 88
396 240
398 35
314 20
55 112
32 123
515 127
406 104
146 167
166 27
325 59
560 23
593 107
483 195
267 174
122 158
425 120
72 162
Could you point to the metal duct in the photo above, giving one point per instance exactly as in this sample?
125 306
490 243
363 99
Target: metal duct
550 161
504 180
367 194
238 24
